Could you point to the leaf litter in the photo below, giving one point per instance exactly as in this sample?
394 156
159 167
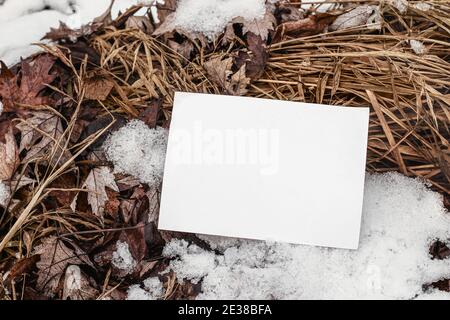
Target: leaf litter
80 118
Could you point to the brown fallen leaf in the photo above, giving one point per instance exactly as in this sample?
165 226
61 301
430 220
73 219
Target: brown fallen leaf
60 195
259 26
98 87
43 136
55 257
135 238
285 12
34 77
185 48
9 155
96 183
239 82
220 72
21 267
255 60
150 114
64 33
140 23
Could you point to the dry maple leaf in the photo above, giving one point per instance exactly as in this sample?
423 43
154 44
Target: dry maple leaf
140 23
34 77
256 59
9 155
219 72
259 26
239 82
43 136
96 183
55 257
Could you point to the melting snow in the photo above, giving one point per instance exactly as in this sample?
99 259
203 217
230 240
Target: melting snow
4 194
122 258
30 20
152 290
138 150
211 16
401 217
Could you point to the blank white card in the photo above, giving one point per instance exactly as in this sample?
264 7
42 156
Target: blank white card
265 169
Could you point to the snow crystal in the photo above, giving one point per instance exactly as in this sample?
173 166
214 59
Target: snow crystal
210 17
122 258
137 150
192 262
401 218
153 290
4 194
417 46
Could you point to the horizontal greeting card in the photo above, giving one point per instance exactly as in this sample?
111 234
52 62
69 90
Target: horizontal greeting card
265 169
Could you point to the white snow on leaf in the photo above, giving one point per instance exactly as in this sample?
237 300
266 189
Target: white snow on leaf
122 258
4 194
401 218
210 17
137 150
96 183
153 290
30 20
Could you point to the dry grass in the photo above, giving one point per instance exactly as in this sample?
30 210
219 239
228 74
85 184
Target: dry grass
407 92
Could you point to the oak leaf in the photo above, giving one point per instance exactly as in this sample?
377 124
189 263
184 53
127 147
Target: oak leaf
34 77
43 136
96 183
55 257
259 26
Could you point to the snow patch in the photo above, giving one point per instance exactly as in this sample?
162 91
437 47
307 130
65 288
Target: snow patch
4 194
30 20
137 150
401 218
153 290
210 17
122 258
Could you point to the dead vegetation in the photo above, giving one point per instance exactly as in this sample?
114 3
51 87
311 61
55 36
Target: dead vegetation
59 107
